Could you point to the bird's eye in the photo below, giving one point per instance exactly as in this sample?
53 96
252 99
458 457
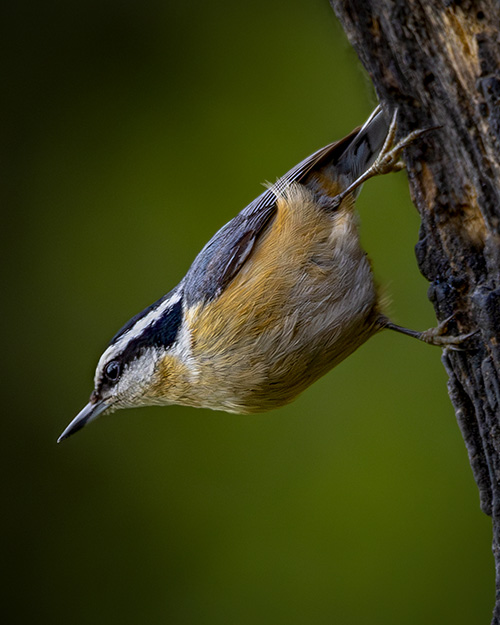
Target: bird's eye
112 371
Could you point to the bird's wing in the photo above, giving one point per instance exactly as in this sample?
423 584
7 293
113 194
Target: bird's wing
225 254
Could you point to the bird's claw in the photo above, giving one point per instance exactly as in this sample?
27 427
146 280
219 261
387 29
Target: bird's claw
437 336
388 159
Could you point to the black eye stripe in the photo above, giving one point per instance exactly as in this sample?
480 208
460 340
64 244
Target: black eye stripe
131 322
162 333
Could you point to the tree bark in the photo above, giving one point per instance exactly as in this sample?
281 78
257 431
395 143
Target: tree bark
438 63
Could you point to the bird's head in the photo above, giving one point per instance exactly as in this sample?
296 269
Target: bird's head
130 371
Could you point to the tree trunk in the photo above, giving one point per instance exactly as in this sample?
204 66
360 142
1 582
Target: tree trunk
438 62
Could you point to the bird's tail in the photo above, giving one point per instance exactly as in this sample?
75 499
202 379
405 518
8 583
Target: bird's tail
363 148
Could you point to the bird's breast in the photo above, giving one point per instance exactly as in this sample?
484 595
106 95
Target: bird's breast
301 303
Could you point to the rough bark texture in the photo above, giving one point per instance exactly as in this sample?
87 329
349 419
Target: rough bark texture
438 62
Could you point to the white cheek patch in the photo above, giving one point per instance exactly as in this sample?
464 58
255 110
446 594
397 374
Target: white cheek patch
182 349
136 379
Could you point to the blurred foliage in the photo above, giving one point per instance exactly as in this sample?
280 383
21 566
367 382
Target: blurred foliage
131 132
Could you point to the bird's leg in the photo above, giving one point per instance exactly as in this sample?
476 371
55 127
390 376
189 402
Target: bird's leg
433 336
388 159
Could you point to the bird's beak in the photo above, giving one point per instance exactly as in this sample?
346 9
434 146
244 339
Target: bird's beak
91 411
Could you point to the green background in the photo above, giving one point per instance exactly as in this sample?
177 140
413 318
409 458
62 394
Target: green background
131 132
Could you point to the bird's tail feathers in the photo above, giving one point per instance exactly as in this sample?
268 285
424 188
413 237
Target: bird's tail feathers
364 148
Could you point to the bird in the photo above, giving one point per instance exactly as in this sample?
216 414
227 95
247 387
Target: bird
278 297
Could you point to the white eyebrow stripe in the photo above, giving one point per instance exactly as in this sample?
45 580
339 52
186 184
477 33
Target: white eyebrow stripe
137 329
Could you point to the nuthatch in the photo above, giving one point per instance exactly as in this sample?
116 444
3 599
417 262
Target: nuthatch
278 297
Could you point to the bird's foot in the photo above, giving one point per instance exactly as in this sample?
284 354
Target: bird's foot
388 159
435 336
